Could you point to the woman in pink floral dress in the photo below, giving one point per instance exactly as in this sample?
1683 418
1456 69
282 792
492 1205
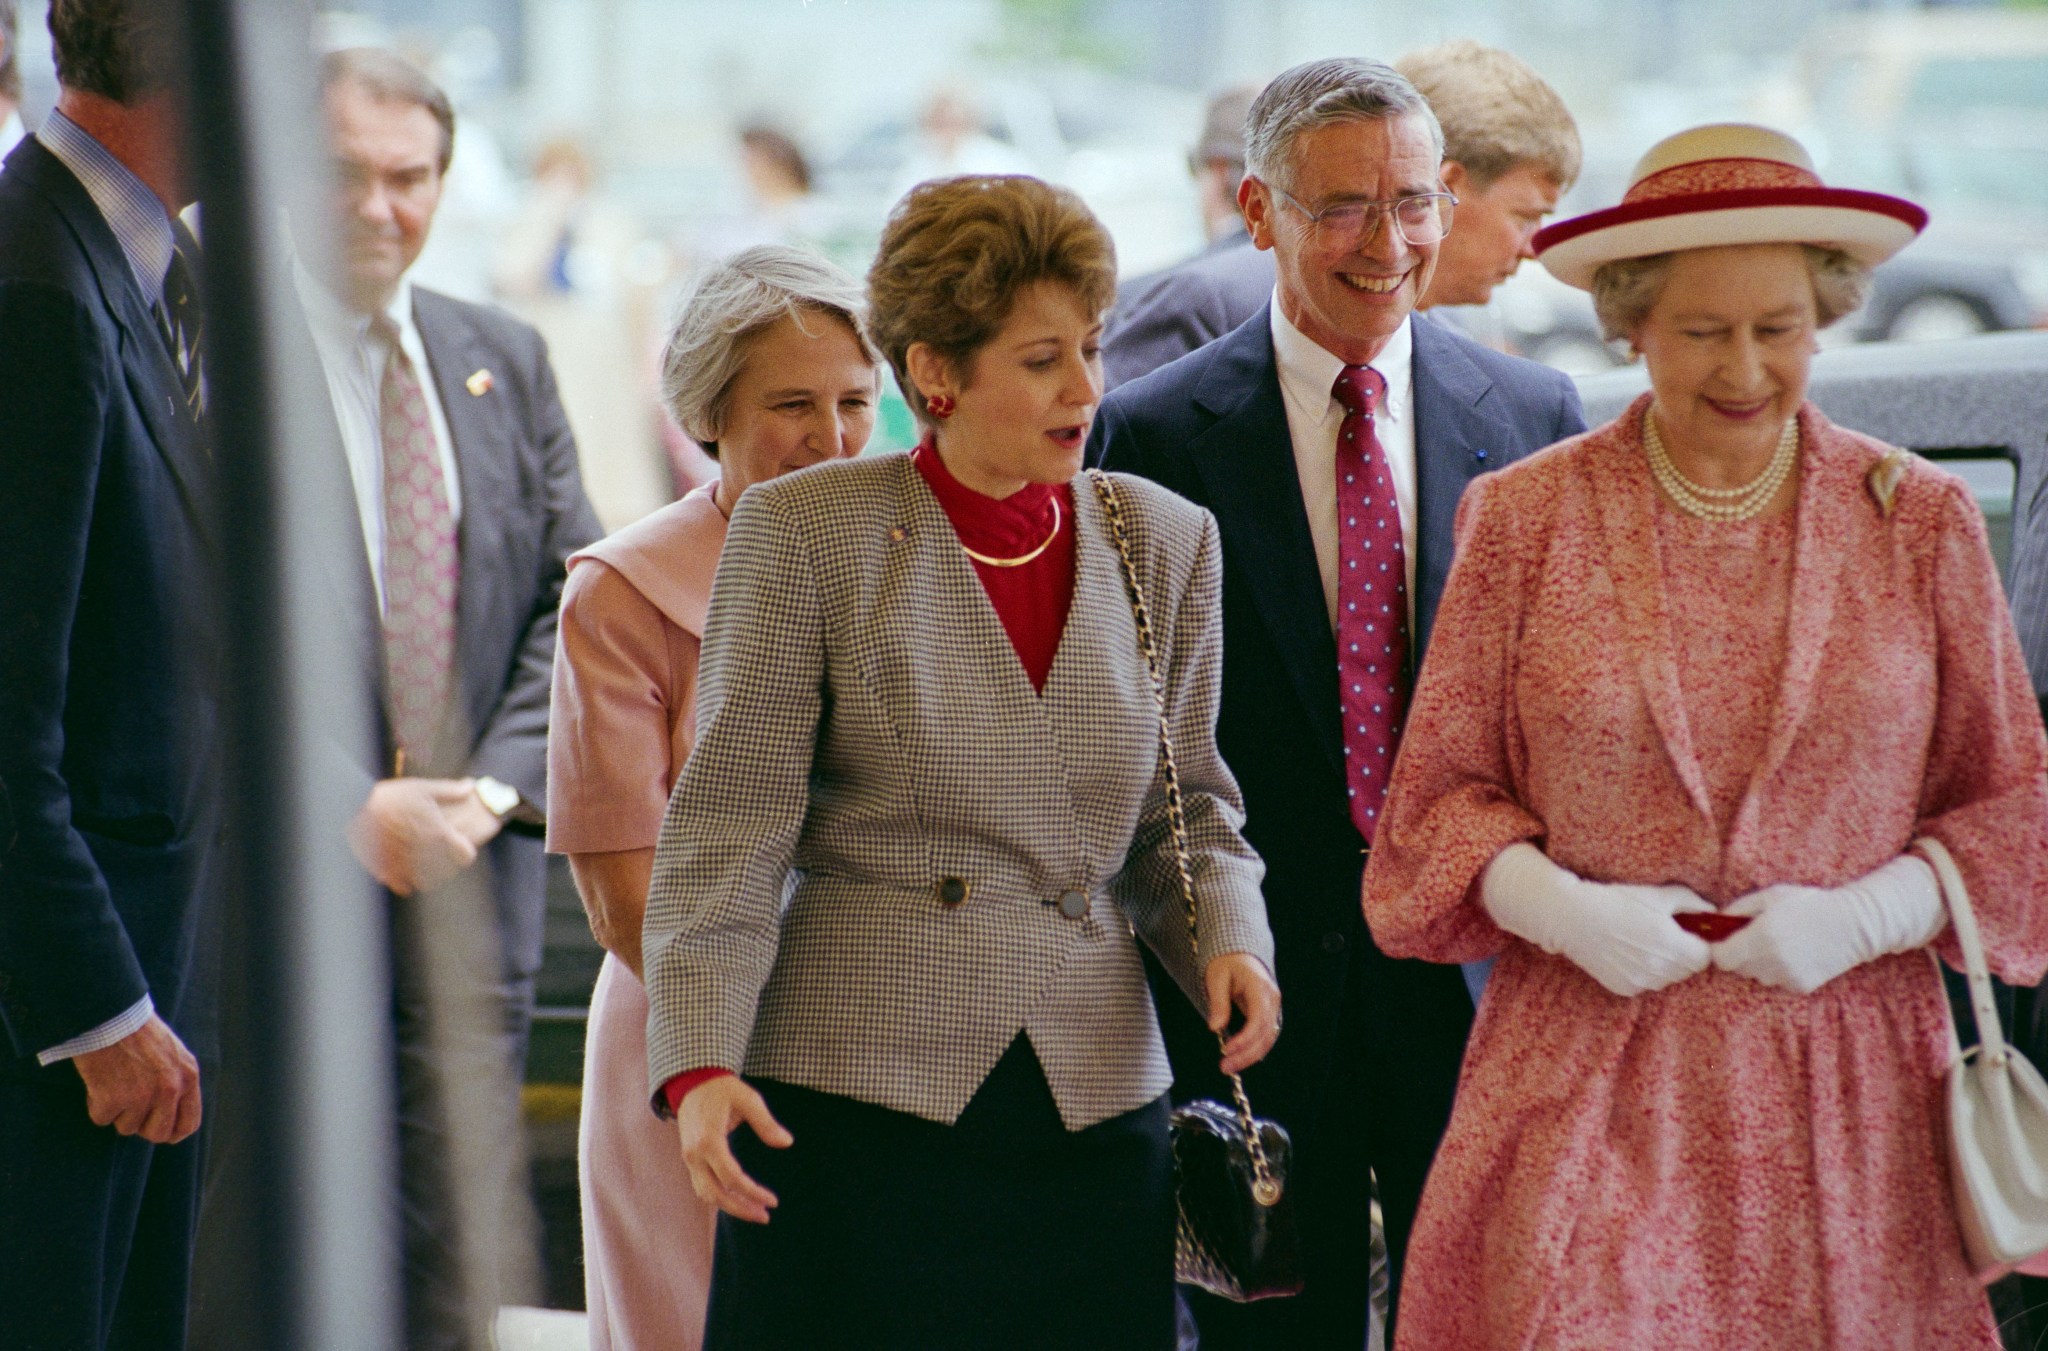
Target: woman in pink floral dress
1700 678
769 369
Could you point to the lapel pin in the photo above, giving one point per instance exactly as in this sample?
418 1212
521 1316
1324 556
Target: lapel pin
478 384
1479 455
897 534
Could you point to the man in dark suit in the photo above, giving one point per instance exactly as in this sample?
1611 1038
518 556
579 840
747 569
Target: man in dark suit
1300 430
1163 314
466 482
107 810
1510 149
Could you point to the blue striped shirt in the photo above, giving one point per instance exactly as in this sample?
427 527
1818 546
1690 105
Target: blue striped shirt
131 210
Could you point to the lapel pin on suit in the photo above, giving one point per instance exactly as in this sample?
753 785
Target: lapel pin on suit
897 534
1479 455
478 384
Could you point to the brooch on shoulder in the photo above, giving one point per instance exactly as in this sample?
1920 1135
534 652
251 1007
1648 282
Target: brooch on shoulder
1884 478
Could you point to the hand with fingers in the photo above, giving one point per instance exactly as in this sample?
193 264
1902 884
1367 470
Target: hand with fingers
145 1084
410 833
705 1121
1625 936
1240 981
1800 938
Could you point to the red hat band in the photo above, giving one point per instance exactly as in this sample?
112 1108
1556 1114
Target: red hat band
1719 175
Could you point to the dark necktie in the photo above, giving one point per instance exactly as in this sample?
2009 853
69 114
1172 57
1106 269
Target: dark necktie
420 564
1372 599
180 317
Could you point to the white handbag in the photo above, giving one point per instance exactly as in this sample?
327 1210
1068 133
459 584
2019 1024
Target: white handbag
1997 1109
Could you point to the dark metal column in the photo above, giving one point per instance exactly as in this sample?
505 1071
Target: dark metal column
304 1258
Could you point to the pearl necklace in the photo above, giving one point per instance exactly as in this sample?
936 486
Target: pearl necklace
1721 504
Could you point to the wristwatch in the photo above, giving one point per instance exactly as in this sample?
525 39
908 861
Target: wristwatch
503 801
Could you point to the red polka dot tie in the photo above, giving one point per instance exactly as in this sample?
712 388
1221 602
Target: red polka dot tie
1372 599
420 568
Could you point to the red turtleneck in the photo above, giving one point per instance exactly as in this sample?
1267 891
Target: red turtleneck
1031 599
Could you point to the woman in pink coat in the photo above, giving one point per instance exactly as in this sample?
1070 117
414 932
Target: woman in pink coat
770 369
1700 678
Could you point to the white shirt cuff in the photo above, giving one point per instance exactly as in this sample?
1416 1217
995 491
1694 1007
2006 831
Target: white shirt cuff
101 1037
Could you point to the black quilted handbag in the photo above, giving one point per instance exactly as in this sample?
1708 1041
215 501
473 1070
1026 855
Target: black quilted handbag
1237 1236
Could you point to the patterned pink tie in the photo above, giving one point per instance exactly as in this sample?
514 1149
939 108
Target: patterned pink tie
1372 599
420 567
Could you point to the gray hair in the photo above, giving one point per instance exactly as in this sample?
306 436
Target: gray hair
1341 89
1626 290
388 77
732 305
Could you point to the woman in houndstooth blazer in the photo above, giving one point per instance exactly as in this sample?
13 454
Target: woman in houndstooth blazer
902 879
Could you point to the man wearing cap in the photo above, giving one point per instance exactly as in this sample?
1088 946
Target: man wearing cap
1717 688
1169 313
1332 437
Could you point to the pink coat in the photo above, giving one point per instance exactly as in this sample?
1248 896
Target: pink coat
1718 1164
622 720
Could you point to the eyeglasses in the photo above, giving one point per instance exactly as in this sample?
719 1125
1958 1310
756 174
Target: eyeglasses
1422 219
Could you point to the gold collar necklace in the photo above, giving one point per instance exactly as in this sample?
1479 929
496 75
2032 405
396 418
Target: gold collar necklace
1021 559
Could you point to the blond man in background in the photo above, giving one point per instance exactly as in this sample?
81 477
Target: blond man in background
1511 149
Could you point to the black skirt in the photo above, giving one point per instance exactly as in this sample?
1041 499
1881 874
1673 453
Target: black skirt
1002 1230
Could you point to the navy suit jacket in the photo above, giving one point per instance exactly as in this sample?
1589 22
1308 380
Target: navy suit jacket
107 817
523 513
1164 316
1212 426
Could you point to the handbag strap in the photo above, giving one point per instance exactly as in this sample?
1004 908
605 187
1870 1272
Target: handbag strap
1265 1189
1990 1032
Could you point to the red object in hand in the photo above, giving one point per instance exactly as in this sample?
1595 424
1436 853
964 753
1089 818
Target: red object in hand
1713 926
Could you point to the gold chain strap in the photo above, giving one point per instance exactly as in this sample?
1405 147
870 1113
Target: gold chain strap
1265 1190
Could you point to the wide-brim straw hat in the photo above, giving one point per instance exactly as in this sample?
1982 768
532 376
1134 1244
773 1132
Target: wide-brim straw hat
1728 183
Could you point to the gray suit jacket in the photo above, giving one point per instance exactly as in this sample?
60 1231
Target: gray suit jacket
523 514
1164 316
868 747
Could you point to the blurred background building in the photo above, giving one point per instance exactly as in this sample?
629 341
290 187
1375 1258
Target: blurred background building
610 147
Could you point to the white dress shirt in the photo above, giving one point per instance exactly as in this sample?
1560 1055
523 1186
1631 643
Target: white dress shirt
12 133
1308 373
353 359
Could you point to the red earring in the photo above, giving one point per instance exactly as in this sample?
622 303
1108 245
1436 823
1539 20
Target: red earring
939 405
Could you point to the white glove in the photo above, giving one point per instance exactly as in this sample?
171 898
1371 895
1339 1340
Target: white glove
1803 937
1619 934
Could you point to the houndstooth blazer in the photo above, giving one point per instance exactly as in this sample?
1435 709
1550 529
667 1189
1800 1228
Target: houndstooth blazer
857 887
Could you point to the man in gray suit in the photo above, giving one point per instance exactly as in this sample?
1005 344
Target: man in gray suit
465 478
1511 149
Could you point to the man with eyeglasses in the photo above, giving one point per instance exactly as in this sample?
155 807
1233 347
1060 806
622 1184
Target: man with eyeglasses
1332 436
1511 149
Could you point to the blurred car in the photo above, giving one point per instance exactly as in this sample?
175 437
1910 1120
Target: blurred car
1950 109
